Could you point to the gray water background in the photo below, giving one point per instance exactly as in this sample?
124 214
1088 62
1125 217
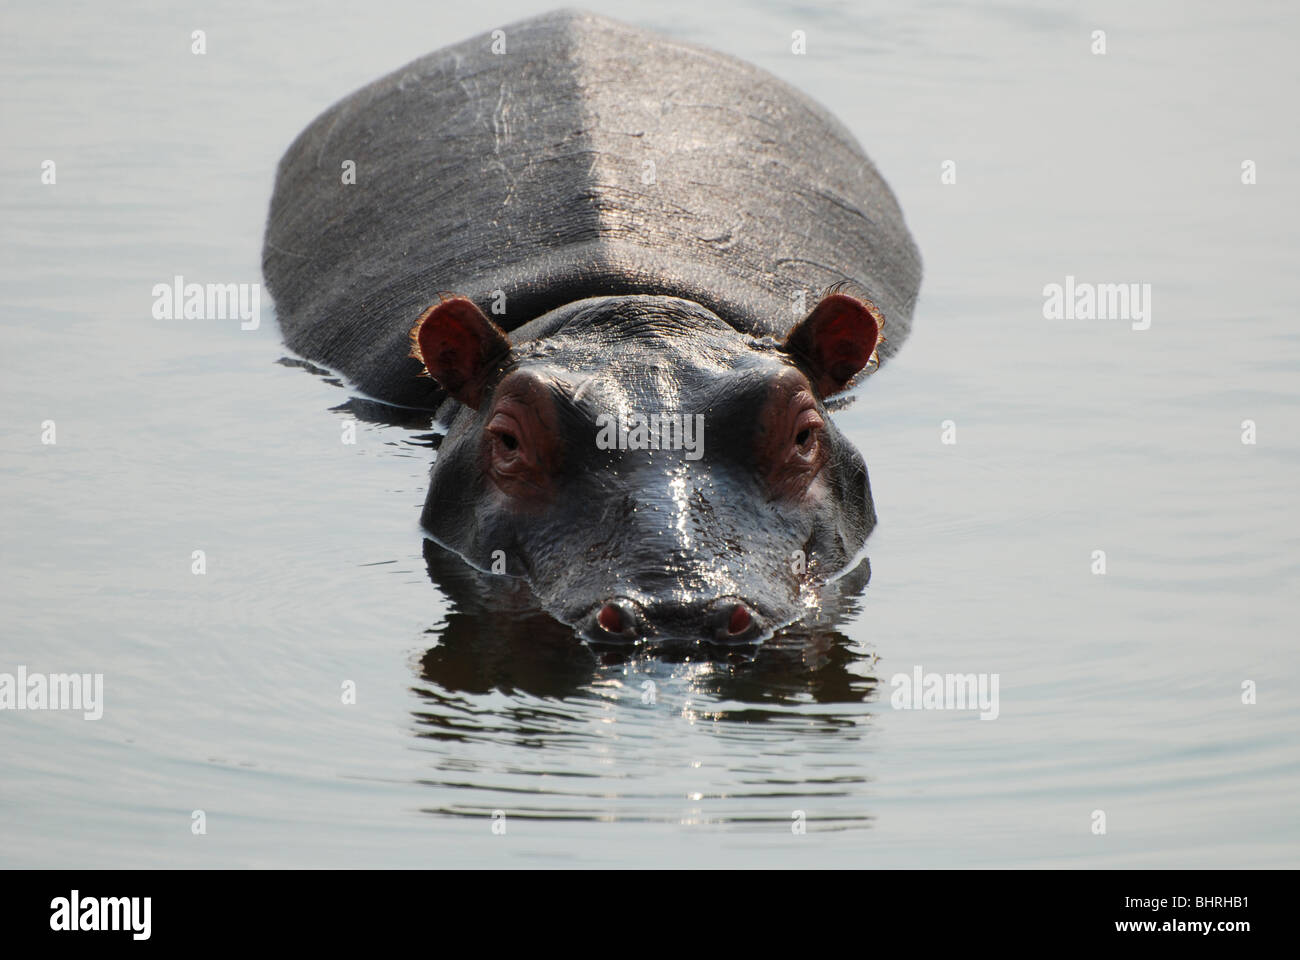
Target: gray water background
1120 693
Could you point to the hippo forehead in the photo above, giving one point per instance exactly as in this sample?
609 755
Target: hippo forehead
658 352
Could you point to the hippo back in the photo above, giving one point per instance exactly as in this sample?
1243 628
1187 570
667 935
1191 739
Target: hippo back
589 158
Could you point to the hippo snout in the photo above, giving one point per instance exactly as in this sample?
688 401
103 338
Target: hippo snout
727 620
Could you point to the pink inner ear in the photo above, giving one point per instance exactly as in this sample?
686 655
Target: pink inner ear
456 343
846 341
449 348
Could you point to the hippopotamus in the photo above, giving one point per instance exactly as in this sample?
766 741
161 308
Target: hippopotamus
629 278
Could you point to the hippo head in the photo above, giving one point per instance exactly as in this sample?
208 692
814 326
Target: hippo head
652 472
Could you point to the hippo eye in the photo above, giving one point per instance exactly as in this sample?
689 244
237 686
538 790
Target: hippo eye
807 427
792 446
505 434
519 448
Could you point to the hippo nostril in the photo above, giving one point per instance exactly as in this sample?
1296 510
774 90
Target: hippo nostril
615 620
731 620
610 618
740 619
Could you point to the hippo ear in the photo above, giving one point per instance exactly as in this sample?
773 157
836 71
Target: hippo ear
459 347
835 341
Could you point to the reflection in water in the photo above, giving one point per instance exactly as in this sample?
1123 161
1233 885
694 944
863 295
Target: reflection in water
522 716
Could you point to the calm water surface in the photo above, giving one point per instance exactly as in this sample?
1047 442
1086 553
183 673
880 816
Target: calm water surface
1119 693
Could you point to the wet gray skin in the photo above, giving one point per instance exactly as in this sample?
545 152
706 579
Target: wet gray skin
643 220
711 544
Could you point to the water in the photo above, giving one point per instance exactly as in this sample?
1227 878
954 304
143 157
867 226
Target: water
1119 693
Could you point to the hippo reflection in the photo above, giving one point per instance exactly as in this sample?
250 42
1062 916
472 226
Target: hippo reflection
627 274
